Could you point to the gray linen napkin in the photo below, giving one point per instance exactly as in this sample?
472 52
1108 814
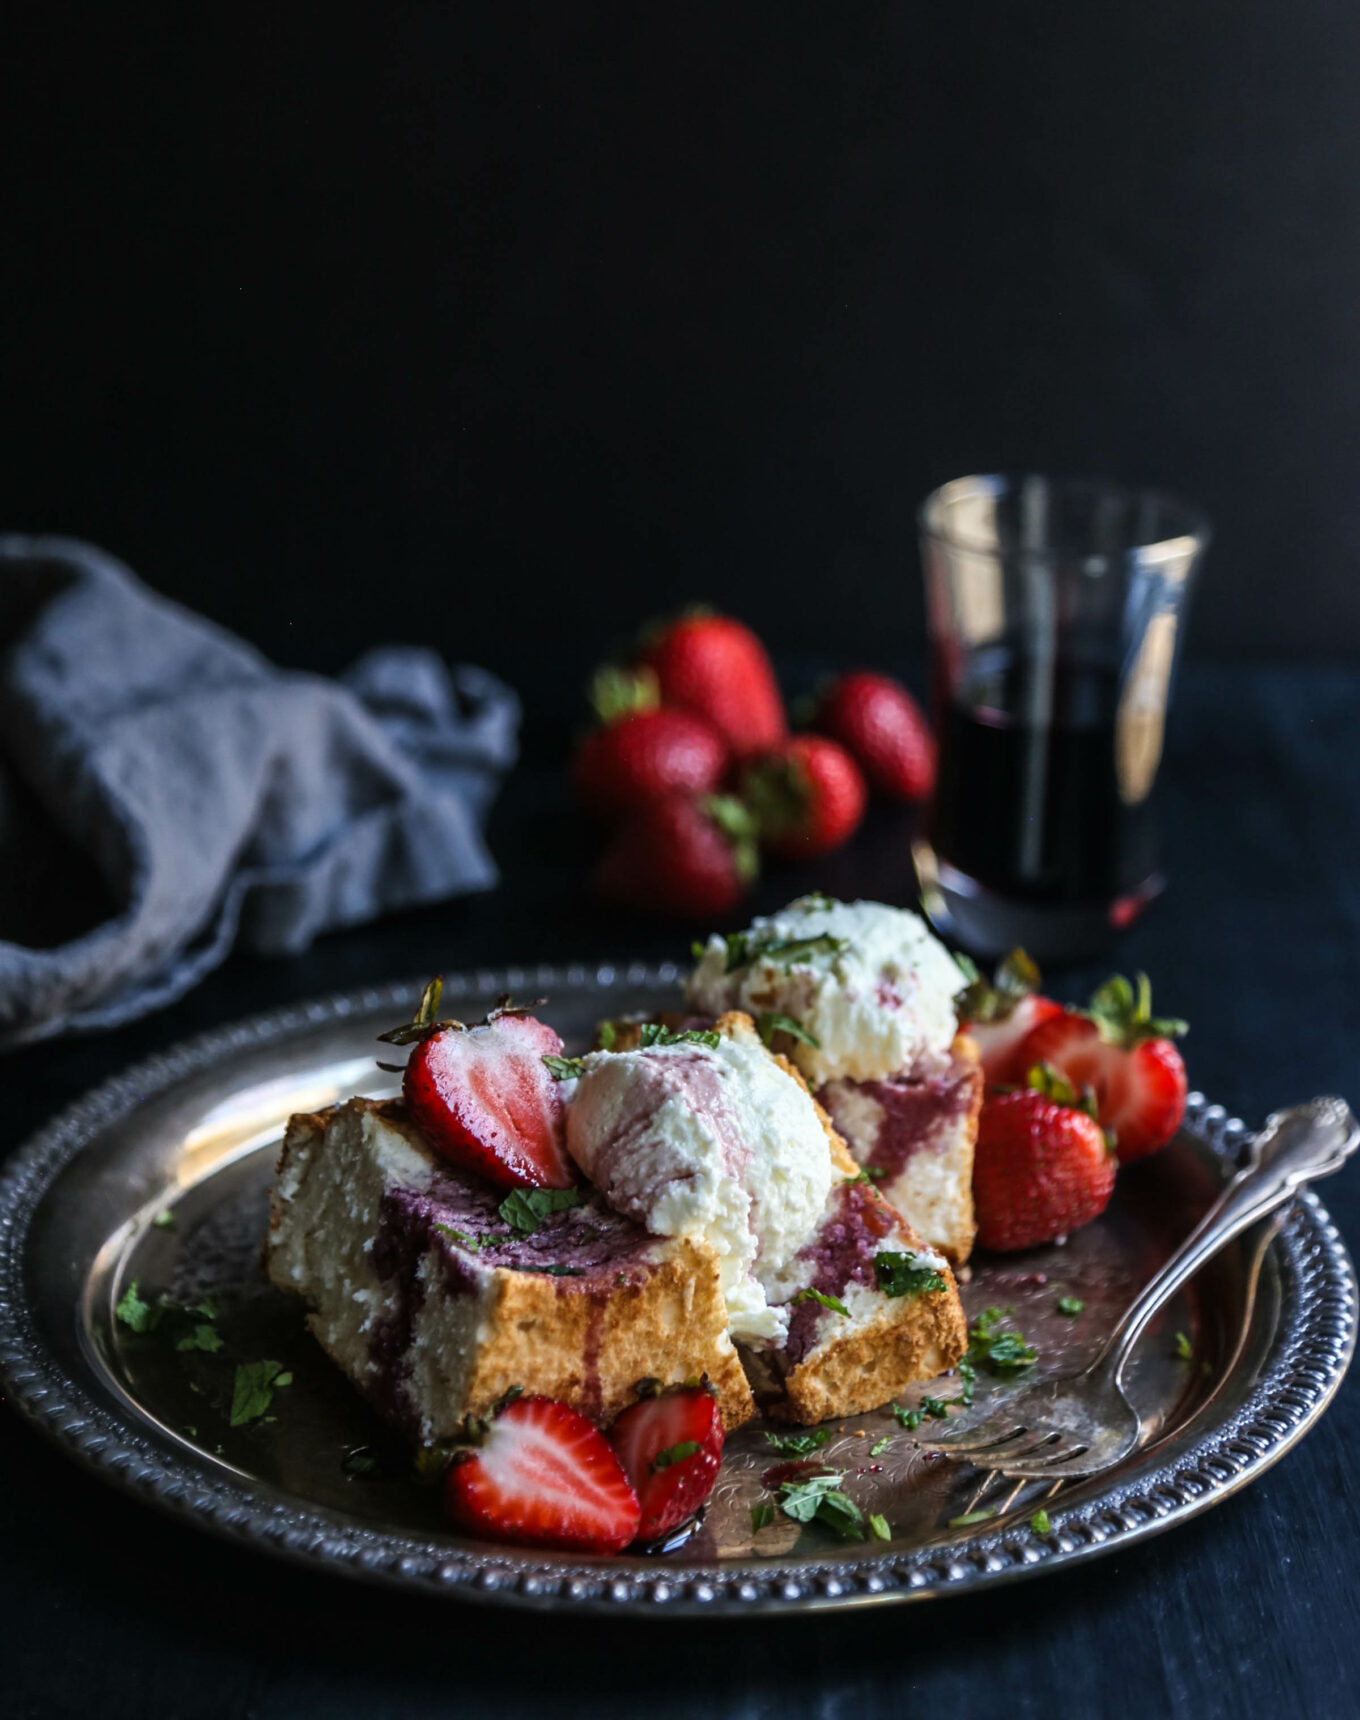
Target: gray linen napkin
153 763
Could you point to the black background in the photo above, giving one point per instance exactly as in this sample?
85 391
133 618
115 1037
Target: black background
505 326
500 328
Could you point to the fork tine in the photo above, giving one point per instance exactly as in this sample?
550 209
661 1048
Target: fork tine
970 1442
1042 1469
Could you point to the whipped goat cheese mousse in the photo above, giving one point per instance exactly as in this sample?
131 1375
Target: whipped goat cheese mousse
871 990
713 1141
869 984
713 1138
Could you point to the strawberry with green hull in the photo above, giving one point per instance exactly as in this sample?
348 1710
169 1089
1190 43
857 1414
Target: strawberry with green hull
1126 1057
881 726
693 856
543 1476
640 750
807 796
1001 1014
717 668
483 1097
1042 1166
670 1444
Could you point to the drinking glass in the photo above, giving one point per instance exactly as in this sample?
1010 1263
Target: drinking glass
1055 611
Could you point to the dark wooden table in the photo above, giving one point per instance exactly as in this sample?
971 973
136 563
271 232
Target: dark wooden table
1254 1609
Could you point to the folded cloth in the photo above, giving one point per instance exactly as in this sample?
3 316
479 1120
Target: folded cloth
208 795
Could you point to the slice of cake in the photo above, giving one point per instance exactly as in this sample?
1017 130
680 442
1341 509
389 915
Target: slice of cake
915 1133
861 997
707 1134
435 1304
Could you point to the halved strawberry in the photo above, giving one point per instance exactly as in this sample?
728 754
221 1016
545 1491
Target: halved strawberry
670 1445
483 1097
998 1015
1125 1056
546 1477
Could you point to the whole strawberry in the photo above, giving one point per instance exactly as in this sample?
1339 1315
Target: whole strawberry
1041 1168
1125 1055
881 726
685 854
640 750
717 668
807 795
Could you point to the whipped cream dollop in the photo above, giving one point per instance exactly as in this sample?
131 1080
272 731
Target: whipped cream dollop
713 1142
869 983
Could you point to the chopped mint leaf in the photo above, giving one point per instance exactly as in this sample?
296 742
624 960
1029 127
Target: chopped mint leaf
653 1033
1040 1524
283 1379
1000 1352
771 1021
1071 1306
205 1308
461 1237
252 1390
880 1445
968 1377
969 1518
800 1444
738 950
164 1219
191 1431
788 952
878 1527
203 1337
1010 1352
936 1408
138 1315
816 900
819 1498
524 1209
762 1516
899 1275
608 1036
833 1302
910 1419
1184 1348
674 1454
565 1068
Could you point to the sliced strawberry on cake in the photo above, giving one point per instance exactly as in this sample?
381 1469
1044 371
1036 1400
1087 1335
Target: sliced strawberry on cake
483 1096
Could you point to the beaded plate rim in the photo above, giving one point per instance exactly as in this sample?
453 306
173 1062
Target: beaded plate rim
1307 1363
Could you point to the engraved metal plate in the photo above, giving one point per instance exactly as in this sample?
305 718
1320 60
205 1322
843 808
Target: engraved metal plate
162 1174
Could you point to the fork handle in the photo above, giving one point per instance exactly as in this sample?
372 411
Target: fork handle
1296 1146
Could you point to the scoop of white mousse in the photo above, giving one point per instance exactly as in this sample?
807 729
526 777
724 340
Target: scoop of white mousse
869 983
717 1143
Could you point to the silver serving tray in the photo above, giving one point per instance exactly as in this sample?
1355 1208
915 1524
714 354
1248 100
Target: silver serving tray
194 1132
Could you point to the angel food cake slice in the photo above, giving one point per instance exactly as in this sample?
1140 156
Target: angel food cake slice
861 997
435 1304
708 1135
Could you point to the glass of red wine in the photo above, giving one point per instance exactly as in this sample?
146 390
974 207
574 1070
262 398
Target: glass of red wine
1055 612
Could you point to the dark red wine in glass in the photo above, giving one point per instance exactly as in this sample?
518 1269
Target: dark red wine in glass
1054 625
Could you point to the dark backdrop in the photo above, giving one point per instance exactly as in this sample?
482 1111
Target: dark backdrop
503 326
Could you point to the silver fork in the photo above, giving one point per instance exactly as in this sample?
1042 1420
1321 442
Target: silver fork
1080 1423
